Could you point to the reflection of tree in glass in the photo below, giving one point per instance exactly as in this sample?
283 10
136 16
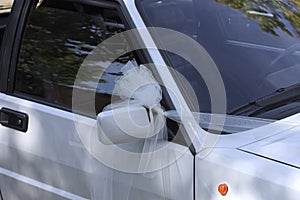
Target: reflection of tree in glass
55 44
285 14
58 41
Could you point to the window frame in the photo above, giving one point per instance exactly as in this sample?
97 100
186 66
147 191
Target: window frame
8 42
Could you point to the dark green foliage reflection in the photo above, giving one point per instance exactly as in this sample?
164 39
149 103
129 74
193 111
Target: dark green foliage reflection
271 14
55 44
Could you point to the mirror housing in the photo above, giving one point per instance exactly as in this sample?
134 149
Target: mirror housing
123 124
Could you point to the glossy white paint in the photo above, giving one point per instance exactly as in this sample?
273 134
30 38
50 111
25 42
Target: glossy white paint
283 147
40 185
250 176
51 149
123 124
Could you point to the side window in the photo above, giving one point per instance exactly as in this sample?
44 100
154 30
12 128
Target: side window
57 38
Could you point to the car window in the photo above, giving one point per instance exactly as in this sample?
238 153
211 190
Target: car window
57 39
255 45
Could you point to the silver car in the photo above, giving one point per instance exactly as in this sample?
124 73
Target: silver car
150 99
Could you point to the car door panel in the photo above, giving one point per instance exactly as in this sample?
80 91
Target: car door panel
49 161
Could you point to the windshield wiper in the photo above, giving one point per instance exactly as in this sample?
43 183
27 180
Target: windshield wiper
280 98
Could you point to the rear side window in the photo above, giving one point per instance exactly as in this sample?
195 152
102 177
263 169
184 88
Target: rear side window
57 39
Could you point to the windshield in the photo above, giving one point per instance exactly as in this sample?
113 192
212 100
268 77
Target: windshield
254 43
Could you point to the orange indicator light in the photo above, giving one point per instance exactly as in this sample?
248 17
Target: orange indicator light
223 189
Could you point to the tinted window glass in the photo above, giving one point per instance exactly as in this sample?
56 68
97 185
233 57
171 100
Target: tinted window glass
255 45
5 7
57 39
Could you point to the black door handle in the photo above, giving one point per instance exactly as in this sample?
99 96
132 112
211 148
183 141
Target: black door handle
14 119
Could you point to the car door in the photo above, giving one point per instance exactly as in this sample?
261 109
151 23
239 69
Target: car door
42 156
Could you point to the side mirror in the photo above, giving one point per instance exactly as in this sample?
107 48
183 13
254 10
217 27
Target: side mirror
124 124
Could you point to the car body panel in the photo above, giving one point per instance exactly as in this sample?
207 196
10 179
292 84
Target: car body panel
50 162
282 148
255 164
51 155
248 177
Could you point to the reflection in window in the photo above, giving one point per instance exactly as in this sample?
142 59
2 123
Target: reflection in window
254 43
56 42
272 15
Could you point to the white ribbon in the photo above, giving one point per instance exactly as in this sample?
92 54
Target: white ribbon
138 86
